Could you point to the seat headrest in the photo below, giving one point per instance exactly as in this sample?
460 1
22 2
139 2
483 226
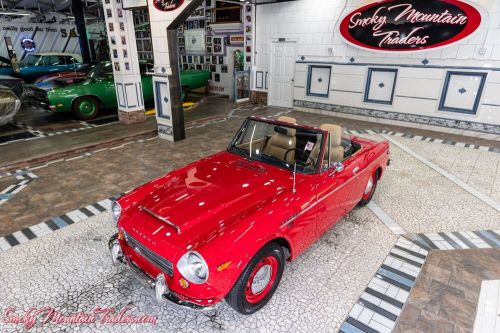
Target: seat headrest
335 133
289 131
286 119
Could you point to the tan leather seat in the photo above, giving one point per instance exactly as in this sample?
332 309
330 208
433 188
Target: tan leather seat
336 149
280 143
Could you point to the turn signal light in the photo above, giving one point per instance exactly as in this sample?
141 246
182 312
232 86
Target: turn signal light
223 266
184 284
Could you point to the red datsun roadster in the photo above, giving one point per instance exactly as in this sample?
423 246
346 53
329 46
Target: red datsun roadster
224 226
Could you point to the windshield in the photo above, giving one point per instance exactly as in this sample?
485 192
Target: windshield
279 145
31 60
101 70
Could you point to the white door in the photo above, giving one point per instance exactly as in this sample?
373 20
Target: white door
281 74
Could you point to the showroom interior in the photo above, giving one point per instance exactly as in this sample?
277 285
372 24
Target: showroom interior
250 165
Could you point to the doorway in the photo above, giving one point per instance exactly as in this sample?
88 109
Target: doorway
282 74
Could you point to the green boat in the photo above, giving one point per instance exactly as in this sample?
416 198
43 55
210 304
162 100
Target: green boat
85 97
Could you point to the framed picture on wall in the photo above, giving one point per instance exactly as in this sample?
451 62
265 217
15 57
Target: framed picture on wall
214 60
185 67
217 77
208 40
124 40
182 50
221 60
127 66
115 53
117 66
122 26
201 59
199 67
218 49
223 69
380 85
192 67
207 60
120 13
182 41
184 59
108 13
206 67
111 26
113 40
190 59
209 50
125 53
213 68
462 92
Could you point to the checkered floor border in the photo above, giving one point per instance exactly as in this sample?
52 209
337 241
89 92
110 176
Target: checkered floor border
383 300
23 177
59 222
426 139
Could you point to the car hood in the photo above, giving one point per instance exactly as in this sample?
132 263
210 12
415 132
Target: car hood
207 196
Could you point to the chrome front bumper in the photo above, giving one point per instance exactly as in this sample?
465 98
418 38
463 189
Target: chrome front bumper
118 257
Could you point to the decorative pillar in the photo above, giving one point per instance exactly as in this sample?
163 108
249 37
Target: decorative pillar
165 17
125 60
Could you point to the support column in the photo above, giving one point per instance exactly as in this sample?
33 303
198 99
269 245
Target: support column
77 6
166 80
125 60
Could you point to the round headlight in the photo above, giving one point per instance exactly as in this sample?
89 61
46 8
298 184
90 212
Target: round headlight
116 210
193 267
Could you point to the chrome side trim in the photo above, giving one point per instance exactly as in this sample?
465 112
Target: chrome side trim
162 219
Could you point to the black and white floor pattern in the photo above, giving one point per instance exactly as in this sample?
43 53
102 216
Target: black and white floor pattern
23 177
382 301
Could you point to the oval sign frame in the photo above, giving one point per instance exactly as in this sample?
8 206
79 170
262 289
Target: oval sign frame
167 5
475 16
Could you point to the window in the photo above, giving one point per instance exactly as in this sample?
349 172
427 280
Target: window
54 60
380 85
462 92
318 81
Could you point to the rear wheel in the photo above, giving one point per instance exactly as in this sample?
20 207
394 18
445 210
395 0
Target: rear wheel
86 107
371 185
258 281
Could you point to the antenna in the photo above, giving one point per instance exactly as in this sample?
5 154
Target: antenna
294 190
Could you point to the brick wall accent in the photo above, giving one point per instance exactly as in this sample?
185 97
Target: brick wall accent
132 117
258 97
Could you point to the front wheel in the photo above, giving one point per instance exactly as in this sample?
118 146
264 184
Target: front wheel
86 107
258 281
371 185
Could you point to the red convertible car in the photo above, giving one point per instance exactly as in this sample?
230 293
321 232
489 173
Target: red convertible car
224 226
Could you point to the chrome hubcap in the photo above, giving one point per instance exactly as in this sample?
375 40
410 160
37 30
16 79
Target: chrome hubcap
369 186
261 279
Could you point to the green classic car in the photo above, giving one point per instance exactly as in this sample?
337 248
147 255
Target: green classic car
97 90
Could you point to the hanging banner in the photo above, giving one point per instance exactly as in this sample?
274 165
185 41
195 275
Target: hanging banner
410 25
167 5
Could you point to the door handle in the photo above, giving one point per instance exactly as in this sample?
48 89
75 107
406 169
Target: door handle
355 171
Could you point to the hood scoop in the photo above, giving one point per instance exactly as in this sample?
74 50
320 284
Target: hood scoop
161 218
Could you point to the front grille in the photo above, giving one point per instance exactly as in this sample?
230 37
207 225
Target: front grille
157 260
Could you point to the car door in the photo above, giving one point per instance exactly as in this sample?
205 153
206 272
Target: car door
106 87
336 192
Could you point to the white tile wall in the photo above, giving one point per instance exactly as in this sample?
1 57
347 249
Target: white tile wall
314 25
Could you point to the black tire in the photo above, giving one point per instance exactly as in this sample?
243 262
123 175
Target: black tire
368 197
79 105
237 297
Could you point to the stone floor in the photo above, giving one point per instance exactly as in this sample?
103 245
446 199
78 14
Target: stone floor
446 294
69 268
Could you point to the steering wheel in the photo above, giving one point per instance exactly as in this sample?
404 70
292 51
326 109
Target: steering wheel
302 153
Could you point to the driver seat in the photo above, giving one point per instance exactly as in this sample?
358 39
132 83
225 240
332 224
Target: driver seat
336 149
280 142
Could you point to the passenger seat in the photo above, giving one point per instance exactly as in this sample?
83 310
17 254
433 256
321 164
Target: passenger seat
279 143
336 149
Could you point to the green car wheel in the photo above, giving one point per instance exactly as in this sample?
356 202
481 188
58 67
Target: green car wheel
86 107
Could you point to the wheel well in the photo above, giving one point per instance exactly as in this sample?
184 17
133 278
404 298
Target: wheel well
285 245
378 173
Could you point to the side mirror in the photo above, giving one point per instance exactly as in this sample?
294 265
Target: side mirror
336 167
